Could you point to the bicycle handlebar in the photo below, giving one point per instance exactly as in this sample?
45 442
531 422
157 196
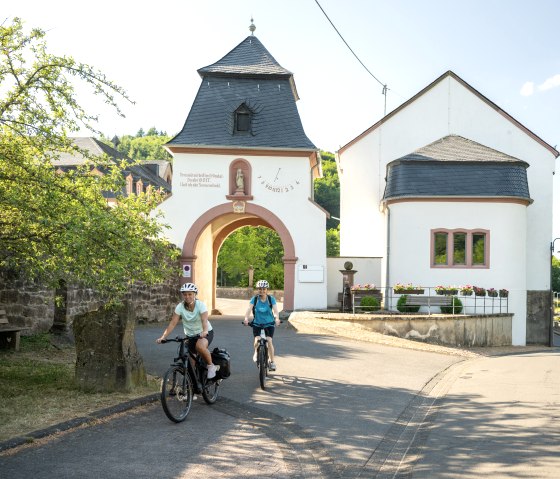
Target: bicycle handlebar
177 339
250 323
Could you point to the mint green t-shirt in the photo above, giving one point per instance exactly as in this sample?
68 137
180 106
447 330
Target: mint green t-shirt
192 322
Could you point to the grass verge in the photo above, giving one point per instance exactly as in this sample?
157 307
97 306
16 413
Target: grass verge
37 388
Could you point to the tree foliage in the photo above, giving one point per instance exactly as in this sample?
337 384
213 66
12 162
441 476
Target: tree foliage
258 247
59 226
555 274
327 189
333 242
144 146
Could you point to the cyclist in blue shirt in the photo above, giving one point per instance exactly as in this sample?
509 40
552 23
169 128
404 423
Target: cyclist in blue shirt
265 315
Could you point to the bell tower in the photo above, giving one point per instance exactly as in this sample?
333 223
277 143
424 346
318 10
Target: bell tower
242 158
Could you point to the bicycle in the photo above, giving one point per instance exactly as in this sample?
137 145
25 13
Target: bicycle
262 356
182 381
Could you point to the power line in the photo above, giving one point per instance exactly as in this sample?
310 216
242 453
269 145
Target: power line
384 85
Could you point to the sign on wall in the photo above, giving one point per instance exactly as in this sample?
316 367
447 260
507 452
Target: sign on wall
310 273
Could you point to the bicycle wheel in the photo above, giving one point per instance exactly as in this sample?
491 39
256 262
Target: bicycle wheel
263 365
210 388
176 394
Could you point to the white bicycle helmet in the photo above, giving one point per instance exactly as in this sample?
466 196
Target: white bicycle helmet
189 287
262 284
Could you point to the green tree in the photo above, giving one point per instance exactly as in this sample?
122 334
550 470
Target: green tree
327 189
148 147
555 274
58 227
258 247
333 242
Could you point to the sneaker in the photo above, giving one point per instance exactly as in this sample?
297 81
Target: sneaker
211 371
272 366
255 356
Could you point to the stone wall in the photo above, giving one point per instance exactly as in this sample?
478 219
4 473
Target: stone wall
246 293
458 330
538 317
29 306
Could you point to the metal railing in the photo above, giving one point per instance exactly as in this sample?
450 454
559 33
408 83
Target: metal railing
388 300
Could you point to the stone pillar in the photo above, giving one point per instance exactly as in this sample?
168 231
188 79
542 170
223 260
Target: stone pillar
107 358
347 283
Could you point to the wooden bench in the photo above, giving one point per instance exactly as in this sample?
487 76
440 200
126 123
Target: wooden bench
9 335
429 301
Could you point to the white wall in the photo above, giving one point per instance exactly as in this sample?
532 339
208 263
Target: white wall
368 270
411 247
521 248
195 195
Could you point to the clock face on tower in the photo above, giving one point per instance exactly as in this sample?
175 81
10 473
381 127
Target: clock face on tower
278 181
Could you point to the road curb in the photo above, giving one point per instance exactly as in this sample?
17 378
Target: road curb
80 421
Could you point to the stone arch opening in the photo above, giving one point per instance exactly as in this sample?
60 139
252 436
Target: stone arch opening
209 231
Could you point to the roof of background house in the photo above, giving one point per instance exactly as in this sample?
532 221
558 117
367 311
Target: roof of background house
98 148
454 166
247 75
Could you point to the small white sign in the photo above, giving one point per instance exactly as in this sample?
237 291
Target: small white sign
186 271
310 273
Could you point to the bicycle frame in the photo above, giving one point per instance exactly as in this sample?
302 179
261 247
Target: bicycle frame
186 377
262 355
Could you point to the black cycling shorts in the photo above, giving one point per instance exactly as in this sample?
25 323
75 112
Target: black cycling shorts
268 331
191 342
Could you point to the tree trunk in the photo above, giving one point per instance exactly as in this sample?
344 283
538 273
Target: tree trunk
107 359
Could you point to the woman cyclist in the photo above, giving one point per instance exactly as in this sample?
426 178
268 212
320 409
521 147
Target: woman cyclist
198 329
265 315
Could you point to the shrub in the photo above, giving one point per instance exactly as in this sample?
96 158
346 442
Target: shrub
403 308
369 303
457 307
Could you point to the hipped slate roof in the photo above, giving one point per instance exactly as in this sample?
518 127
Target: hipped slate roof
456 167
247 75
249 58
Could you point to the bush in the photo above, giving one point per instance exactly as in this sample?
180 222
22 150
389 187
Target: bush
403 308
369 303
456 308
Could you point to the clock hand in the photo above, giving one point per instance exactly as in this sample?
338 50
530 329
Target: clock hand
276 177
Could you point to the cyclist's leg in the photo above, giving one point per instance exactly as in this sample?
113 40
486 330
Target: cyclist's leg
256 334
202 348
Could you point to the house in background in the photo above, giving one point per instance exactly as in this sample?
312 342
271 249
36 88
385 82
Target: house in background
448 189
139 177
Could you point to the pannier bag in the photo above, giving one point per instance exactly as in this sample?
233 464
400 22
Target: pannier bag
220 357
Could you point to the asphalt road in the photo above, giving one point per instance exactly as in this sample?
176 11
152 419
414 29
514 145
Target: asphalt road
335 408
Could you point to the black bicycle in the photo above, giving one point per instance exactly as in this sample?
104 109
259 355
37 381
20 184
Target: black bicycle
262 356
182 381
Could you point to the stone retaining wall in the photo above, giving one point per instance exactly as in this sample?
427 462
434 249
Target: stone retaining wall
246 293
29 306
458 330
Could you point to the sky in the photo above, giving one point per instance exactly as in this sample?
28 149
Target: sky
508 50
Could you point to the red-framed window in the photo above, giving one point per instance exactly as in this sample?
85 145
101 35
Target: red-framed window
460 248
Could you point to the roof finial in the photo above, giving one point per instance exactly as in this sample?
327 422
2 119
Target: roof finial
252 27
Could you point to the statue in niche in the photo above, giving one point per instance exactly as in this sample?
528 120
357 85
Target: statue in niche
240 182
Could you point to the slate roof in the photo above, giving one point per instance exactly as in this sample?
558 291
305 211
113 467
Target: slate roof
247 75
249 58
98 148
456 167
